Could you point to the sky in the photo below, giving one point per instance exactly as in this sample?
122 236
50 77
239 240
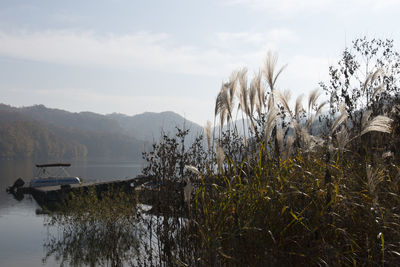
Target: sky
130 57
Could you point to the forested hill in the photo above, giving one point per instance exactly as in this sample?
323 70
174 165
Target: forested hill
38 131
21 137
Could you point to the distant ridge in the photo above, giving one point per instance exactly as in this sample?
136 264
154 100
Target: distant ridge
149 126
58 133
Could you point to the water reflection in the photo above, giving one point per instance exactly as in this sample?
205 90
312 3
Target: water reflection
76 244
92 232
120 234
10 170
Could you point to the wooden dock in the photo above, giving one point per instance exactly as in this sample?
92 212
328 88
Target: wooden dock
50 197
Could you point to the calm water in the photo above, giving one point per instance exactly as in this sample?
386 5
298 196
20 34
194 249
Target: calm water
22 231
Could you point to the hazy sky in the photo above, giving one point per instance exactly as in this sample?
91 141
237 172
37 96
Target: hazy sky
131 56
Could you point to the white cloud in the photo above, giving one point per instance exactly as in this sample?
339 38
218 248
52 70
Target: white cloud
310 68
304 72
248 49
86 48
144 50
295 7
272 39
152 51
283 7
377 5
64 17
224 39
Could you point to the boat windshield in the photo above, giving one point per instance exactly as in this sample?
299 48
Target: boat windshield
52 170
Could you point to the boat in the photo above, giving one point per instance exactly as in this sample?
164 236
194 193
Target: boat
53 174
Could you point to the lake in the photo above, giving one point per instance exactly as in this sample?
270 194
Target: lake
23 232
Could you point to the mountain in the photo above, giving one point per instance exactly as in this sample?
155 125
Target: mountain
149 126
21 137
84 121
38 131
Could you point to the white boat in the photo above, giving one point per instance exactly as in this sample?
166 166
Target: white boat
53 174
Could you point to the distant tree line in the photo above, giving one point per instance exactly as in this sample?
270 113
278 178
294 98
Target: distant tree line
24 138
21 139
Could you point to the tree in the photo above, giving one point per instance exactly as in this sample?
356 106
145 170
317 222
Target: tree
366 77
366 81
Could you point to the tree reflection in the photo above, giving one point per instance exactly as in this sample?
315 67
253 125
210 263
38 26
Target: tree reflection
93 231
110 229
